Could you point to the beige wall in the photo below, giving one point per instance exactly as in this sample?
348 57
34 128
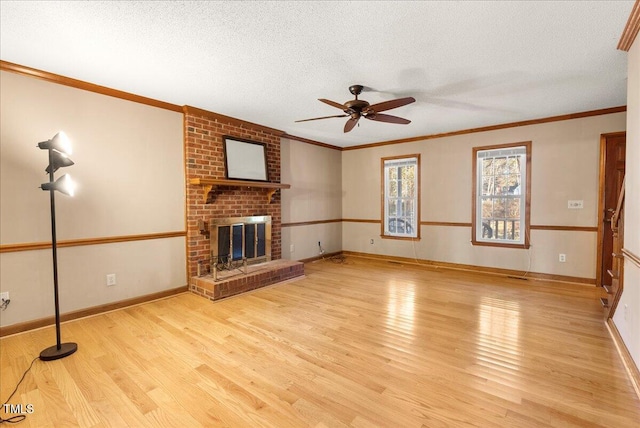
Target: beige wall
130 170
315 175
565 159
627 316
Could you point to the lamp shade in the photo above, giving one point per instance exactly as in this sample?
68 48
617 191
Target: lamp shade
59 142
63 184
59 160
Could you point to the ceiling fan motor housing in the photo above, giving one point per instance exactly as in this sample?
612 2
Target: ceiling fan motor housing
355 106
356 90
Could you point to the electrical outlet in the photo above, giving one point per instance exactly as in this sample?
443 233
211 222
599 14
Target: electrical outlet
4 300
292 248
111 279
562 258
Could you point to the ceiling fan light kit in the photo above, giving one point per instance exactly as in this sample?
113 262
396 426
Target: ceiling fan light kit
356 108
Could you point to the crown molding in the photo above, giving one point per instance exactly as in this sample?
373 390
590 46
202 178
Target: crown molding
630 31
195 111
80 84
559 118
313 142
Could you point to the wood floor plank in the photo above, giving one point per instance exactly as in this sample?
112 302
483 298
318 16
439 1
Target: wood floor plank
364 343
169 413
37 418
56 408
74 397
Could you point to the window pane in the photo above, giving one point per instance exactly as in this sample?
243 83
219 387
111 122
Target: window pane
501 184
500 165
514 208
487 208
392 207
513 184
392 224
408 174
393 188
516 225
487 166
499 207
407 188
487 186
514 164
407 208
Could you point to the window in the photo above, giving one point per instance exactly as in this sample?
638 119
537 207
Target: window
501 195
401 197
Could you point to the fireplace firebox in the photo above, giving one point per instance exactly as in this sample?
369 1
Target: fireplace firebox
239 240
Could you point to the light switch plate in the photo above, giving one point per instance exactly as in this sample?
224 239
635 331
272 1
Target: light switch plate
575 204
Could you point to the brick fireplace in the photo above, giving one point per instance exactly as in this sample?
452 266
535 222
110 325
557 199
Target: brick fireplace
204 157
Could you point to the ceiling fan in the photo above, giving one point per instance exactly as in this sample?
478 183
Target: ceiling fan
355 109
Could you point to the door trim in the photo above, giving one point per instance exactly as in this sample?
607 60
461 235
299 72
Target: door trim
601 188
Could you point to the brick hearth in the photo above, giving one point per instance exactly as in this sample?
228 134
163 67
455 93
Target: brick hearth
235 282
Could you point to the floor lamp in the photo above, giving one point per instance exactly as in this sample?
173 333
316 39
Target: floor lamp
59 148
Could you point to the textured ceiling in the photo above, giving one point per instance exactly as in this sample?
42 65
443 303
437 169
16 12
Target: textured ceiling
468 64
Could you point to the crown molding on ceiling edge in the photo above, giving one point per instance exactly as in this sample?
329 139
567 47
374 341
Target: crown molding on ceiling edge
79 84
630 31
570 116
195 111
308 141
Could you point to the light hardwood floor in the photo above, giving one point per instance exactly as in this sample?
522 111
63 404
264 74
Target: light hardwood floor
363 343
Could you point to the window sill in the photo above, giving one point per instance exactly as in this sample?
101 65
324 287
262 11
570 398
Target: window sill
401 238
524 246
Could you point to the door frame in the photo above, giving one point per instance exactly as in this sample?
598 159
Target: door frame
601 190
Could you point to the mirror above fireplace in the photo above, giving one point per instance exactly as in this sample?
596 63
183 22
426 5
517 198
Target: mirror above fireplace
245 159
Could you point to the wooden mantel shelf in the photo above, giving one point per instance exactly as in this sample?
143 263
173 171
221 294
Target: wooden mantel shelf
209 183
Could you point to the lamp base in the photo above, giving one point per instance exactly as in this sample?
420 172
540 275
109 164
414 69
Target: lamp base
53 353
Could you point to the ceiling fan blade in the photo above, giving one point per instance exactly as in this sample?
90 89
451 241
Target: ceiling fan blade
324 117
351 123
391 104
388 118
333 104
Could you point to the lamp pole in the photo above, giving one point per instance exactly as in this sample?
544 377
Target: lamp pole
59 350
54 248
